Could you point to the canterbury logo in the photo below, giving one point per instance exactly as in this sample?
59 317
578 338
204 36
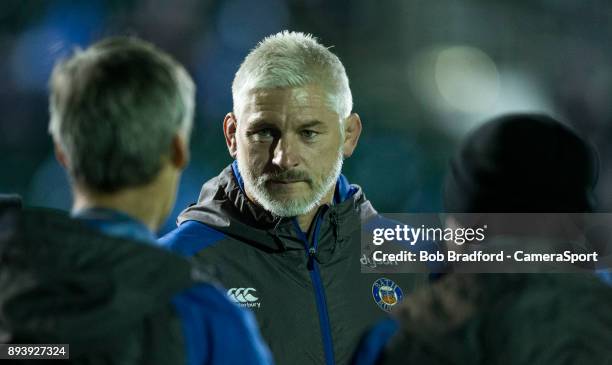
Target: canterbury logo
242 295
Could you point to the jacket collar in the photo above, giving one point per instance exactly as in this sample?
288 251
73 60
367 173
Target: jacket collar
223 205
115 223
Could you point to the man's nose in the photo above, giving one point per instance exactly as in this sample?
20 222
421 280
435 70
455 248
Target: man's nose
285 154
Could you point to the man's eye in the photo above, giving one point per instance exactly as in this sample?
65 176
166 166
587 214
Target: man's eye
309 134
262 134
266 132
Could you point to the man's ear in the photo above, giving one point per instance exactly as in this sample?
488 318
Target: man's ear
352 131
230 127
61 156
180 152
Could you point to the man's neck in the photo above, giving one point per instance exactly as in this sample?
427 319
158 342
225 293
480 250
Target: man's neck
305 220
135 202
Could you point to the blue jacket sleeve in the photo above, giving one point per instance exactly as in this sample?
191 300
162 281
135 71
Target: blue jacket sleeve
605 276
374 342
217 331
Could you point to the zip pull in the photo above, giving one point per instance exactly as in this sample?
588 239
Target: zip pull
312 252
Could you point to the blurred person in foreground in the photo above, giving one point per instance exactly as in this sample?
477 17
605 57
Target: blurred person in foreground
281 223
121 117
514 163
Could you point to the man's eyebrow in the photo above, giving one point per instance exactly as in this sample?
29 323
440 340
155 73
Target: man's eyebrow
312 123
261 122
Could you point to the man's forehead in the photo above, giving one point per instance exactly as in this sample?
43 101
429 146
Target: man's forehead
300 105
310 96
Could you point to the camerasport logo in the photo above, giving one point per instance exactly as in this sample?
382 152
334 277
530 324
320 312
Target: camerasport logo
244 297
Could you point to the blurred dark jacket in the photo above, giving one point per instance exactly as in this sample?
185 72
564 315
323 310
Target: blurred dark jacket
113 300
108 298
513 319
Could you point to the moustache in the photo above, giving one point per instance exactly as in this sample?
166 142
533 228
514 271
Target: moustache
288 176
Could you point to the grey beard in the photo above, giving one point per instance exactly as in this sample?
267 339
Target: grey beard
261 195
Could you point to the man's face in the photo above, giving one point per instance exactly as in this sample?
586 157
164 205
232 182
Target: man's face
289 148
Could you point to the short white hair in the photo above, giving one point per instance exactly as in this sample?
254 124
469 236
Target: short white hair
293 59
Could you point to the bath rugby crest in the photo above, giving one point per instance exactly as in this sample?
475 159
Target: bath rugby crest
386 293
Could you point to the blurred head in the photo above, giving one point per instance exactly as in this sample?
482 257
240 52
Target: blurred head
121 113
522 163
292 124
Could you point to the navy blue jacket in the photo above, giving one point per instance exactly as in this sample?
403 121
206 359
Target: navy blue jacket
307 291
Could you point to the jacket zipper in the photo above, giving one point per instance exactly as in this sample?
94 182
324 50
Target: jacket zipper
315 277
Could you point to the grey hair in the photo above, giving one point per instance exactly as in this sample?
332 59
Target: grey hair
115 108
293 59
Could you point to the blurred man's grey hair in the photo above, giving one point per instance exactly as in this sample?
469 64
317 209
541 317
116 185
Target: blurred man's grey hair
293 59
115 109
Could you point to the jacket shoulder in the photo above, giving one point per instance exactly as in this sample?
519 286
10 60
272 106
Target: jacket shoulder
190 237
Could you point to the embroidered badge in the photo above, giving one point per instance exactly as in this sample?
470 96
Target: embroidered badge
386 293
244 297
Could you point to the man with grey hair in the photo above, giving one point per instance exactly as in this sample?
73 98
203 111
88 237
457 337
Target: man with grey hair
281 223
121 116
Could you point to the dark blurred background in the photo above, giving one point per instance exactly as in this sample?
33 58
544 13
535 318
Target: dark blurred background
422 73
